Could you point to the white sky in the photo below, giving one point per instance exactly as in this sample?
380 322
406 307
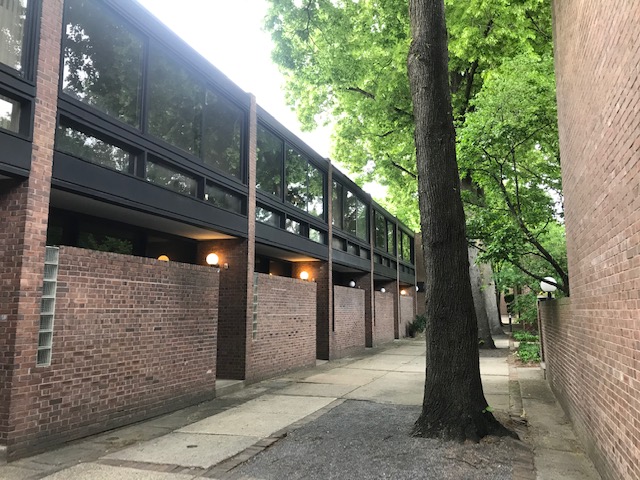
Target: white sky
229 34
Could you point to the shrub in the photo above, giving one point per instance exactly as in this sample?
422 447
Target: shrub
523 336
417 325
528 352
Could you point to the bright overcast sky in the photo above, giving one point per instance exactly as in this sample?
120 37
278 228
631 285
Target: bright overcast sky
229 34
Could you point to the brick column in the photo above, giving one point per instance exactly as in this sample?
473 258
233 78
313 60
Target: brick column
320 273
24 209
365 282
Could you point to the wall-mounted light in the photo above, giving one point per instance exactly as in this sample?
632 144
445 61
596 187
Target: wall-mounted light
403 292
163 258
212 259
548 287
352 283
417 288
382 290
304 275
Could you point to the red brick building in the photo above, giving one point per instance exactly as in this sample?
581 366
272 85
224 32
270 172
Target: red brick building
592 339
159 230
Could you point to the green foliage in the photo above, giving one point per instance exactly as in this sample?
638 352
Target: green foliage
528 352
345 61
523 336
417 325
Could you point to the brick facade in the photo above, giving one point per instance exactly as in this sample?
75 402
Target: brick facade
384 317
133 338
285 334
592 342
349 321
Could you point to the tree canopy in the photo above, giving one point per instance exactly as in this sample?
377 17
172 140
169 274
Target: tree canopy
345 62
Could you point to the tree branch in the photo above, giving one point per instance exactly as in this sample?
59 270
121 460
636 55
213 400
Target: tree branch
371 96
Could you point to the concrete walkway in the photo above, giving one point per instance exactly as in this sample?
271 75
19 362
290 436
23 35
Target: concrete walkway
211 440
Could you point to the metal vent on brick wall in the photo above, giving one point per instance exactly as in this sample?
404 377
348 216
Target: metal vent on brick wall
254 324
48 306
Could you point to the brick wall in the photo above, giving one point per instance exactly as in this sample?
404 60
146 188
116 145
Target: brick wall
285 336
233 319
407 313
384 317
133 338
595 341
349 318
23 215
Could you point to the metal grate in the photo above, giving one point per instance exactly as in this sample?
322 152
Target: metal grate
47 306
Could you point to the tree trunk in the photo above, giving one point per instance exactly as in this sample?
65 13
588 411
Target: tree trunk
454 406
485 340
490 302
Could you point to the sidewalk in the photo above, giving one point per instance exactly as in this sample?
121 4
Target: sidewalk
348 418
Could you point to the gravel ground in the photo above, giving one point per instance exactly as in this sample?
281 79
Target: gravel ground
365 440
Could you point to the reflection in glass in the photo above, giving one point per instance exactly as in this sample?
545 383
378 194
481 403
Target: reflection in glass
223 127
381 233
296 176
269 162
315 199
336 205
175 103
102 61
391 238
406 247
350 213
168 177
9 113
316 235
361 220
92 149
292 226
222 198
13 14
267 216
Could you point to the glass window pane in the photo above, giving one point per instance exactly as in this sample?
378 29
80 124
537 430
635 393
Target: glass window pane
353 249
350 213
338 243
223 198
361 220
223 127
293 226
381 233
269 162
296 177
315 200
92 149
391 238
175 103
336 205
9 113
102 61
267 216
13 14
316 235
406 247
168 177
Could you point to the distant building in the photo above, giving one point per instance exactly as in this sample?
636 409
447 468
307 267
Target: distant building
120 147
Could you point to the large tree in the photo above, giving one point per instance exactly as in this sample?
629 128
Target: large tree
454 406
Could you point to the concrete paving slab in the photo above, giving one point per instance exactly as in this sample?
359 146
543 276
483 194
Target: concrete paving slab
285 404
93 471
185 449
495 384
381 361
554 465
494 366
417 365
243 423
318 390
399 388
12 472
409 350
123 437
346 376
498 402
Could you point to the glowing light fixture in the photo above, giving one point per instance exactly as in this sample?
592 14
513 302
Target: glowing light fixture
304 275
163 258
352 284
212 259
403 292
382 290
